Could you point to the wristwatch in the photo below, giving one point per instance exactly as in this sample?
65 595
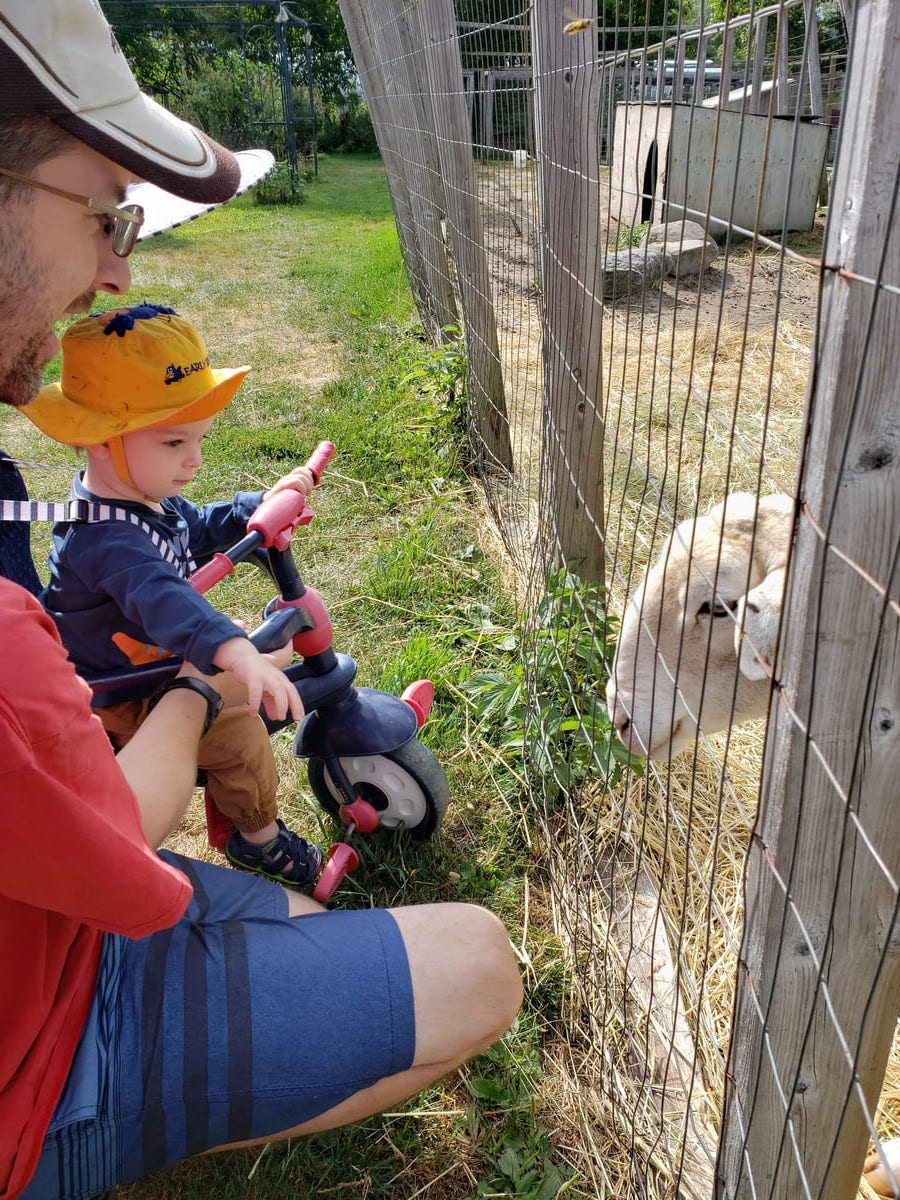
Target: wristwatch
214 702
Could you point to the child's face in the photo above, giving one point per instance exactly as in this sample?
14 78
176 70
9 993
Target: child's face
164 459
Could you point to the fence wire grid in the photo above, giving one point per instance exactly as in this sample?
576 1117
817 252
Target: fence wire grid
671 247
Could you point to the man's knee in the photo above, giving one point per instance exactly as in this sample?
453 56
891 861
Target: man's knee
494 965
465 978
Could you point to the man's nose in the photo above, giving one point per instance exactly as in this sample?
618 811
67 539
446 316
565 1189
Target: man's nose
113 273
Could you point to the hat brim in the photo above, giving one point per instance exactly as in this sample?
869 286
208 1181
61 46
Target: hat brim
135 132
164 211
74 425
149 141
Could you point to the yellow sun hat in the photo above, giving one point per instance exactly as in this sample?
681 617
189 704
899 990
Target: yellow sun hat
129 369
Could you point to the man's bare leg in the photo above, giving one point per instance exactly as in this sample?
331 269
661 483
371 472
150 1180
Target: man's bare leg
466 991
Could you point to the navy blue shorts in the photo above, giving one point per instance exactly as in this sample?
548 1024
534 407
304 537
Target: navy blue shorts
239 1022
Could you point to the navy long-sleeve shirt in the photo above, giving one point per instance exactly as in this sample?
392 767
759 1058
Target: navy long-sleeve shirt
108 578
15 536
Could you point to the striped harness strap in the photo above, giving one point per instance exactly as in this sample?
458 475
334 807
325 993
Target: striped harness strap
93 511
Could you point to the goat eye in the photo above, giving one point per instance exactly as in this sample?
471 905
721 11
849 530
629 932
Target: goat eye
718 608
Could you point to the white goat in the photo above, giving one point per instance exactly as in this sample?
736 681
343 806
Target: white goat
874 1173
682 660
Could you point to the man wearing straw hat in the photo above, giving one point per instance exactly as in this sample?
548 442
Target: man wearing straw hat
153 1007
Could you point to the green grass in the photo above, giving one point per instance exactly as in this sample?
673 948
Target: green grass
315 298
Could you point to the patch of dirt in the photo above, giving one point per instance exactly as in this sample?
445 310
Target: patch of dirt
747 285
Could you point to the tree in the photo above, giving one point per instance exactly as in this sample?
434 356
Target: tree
169 45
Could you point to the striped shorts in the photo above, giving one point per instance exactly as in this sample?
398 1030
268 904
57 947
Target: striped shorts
238 1022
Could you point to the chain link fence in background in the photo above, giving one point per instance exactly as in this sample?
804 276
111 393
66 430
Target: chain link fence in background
671 246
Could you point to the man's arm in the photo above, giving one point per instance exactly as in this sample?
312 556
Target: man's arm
160 761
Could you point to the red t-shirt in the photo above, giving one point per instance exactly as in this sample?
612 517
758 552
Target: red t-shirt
73 862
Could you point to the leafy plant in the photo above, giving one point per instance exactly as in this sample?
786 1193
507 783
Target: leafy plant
632 235
442 374
550 703
525 1165
280 186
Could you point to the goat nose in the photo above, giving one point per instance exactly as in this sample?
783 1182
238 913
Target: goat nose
622 726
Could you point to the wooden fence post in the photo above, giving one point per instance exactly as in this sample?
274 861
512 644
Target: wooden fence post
567 107
819 978
387 57
487 401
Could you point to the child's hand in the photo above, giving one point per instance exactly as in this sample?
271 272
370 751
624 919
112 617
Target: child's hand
299 480
264 681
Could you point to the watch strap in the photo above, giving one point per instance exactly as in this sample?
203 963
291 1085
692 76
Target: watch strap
214 702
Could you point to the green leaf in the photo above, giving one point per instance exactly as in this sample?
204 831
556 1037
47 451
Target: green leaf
487 1089
510 1164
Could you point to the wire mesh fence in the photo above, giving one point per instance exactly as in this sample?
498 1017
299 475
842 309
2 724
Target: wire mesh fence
671 248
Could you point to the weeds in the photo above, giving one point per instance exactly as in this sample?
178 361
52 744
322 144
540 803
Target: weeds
442 374
524 1162
281 186
632 235
549 703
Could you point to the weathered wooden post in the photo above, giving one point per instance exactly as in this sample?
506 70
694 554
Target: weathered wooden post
819 978
567 107
487 400
387 58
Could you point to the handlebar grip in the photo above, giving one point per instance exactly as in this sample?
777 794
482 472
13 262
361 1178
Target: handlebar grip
208 576
320 458
277 517
277 514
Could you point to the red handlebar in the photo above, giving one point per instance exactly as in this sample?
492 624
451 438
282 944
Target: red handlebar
273 523
277 518
320 459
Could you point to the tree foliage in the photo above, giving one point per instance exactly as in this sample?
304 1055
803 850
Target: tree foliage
171 45
503 38
829 17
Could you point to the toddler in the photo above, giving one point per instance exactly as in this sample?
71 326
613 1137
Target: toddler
137 392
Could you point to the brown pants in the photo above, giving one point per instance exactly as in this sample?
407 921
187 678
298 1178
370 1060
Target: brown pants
236 755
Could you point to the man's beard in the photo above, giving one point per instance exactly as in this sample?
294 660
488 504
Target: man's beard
20 380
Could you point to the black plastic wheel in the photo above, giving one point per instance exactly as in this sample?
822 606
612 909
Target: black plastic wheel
407 787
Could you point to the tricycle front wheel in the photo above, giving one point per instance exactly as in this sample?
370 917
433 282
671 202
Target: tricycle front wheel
407 787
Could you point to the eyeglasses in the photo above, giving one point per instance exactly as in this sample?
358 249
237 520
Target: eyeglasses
126 221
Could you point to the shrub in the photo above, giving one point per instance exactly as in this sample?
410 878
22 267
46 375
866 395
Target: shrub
280 186
348 129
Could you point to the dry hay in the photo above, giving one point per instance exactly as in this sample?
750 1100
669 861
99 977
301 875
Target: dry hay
647 886
692 419
653 953
692 413
647 882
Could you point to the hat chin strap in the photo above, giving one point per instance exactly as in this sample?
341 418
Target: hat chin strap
120 463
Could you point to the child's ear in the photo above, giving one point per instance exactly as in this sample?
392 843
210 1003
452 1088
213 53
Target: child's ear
101 451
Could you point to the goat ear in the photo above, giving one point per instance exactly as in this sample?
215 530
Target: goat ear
756 633
773 531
